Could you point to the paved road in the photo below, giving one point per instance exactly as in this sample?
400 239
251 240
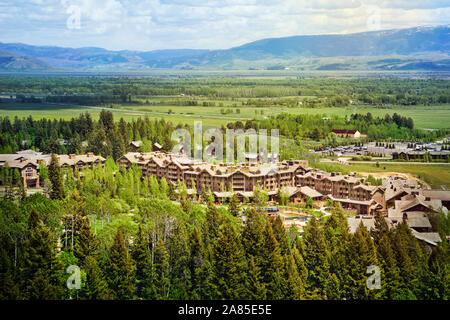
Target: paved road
324 211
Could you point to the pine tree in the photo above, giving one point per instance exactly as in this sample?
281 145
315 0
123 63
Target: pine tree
234 207
292 283
141 256
212 223
154 186
381 227
164 187
40 288
256 289
56 179
437 280
272 267
161 280
410 260
179 264
391 282
200 268
95 287
117 144
332 288
361 254
86 243
316 258
337 237
119 269
41 270
253 238
301 268
9 288
280 234
228 264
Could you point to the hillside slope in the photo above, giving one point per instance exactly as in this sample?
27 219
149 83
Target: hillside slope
420 48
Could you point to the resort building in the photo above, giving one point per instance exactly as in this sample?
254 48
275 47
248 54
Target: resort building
407 201
28 162
291 176
219 178
349 190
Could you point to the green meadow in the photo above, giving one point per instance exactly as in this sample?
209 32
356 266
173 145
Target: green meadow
435 175
432 117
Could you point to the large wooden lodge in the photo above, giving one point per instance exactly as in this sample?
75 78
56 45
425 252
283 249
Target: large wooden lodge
28 162
291 176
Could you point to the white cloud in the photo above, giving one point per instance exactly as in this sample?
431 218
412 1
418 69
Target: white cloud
213 24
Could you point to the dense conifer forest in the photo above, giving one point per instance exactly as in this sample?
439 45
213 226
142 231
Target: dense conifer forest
132 242
137 238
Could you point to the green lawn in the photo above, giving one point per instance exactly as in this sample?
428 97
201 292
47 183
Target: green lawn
434 175
435 117
432 117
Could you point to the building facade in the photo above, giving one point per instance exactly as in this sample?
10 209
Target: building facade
28 162
293 176
349 190
216 177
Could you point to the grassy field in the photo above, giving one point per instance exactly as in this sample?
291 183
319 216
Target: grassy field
434 175
435 117
424 117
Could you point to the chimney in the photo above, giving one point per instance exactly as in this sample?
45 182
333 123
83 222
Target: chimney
72 156
90 155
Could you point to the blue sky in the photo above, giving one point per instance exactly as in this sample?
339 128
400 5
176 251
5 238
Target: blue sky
208 24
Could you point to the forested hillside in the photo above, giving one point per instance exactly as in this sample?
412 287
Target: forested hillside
132 242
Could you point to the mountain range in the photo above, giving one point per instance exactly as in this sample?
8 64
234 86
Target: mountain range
419 48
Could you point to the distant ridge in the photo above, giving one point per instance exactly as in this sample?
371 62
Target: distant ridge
425 48
14 62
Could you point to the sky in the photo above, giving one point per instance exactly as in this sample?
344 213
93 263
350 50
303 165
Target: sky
202 24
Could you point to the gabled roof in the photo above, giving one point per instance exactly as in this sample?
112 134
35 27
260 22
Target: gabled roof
432 238
365 202
368 222
224 194
416 202
437 194
307 191
136 144
365 187
19 164
416 219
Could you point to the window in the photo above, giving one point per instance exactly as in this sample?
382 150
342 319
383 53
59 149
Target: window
29 172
